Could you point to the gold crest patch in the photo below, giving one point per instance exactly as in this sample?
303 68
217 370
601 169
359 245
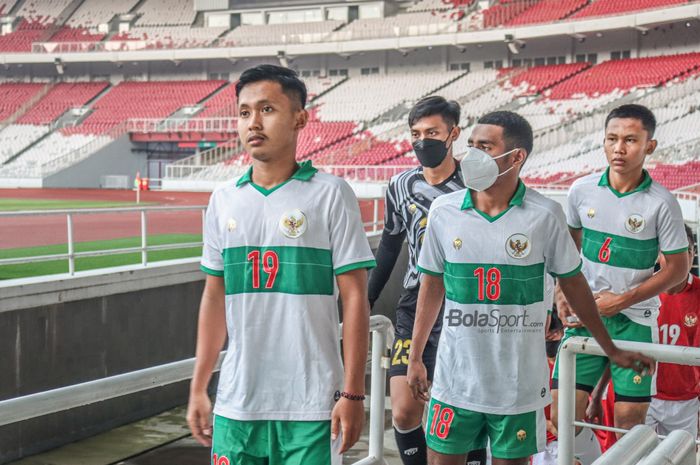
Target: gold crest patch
690 320
634 224
457 243
637 379
412 208
293 224
231 225
518 246
591 212
522 435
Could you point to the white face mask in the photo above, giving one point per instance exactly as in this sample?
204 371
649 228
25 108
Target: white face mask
480 170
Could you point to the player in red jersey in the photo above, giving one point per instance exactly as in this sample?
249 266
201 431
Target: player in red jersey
675 405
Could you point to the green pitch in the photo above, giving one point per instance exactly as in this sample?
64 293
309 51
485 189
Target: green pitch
16 204
91 263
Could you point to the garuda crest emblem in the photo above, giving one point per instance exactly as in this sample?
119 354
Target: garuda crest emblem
293 224
518 246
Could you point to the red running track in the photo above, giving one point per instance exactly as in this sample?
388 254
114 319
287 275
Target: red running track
51 229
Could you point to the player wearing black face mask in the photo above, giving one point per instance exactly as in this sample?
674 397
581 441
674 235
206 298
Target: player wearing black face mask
433 122
430 152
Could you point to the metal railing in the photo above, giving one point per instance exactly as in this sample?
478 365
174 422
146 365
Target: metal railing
364 172
157 125
72 255
371 227
78 395
567 381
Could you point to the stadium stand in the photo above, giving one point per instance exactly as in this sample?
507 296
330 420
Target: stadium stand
548 11
407 24
142 100
172 36
23 37
91 14
16 137
363 98
611 7
14 95
166 13
76 34
295 33
42 12
504 11
540 78
59 99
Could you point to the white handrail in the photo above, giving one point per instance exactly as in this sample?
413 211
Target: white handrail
567 379
90 392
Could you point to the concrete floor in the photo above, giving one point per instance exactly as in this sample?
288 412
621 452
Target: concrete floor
162 440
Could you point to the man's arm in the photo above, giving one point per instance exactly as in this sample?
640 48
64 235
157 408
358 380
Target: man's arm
566 315
387 253
430 298
349 415
579 296
675 270
594 411
211 336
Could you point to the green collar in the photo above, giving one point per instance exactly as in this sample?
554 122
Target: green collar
515 201
304 173
644 185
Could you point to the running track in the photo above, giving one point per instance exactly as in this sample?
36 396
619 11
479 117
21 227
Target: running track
51 229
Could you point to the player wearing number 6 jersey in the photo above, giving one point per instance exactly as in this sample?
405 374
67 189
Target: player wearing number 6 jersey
487 249
621 219
279 245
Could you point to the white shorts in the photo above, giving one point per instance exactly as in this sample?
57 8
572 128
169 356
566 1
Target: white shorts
548 456
668 415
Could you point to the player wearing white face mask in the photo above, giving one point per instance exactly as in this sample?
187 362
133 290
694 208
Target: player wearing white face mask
486 252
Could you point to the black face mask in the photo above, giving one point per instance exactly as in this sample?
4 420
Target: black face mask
431 152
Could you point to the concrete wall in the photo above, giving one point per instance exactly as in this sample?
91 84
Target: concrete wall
116 158
75 329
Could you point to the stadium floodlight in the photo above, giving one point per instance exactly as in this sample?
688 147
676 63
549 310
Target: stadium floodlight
580 38
282 57
514 45
59 65
642 29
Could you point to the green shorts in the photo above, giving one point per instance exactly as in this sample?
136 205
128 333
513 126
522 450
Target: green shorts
270 442
589 368
456 431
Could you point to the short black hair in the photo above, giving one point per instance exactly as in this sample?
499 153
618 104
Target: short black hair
517 132
287 78
691 236
633 110
435 105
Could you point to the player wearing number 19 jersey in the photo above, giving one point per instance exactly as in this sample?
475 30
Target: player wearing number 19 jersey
675 405
280 245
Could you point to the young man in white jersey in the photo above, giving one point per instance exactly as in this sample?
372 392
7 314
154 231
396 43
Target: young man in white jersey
279 245
486 250
621 220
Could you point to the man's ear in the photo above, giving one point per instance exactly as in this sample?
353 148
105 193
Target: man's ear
456 131
302 118
651 146
520 157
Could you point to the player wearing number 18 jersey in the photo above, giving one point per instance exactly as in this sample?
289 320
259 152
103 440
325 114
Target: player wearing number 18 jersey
280 244
487 249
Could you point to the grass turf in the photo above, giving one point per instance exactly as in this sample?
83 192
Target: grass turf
18 204
91 263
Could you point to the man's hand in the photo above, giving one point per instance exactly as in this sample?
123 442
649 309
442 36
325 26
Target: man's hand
609 304
594 411
417 379
347 418
642 364
566 314
198 417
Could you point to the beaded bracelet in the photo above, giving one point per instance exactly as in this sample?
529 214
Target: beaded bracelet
349 396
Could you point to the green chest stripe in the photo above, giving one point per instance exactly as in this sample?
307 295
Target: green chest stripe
287 270
619 251
479 283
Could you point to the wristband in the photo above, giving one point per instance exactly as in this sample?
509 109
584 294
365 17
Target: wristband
348 396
